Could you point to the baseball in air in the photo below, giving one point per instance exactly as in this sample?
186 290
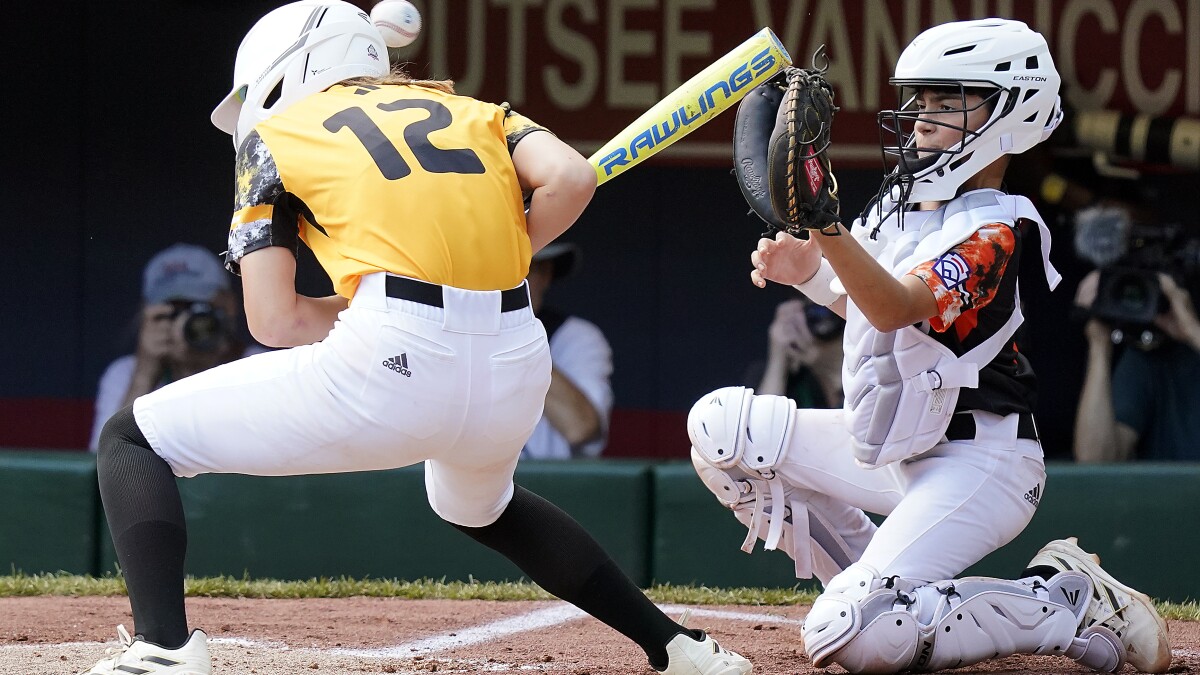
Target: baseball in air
398 21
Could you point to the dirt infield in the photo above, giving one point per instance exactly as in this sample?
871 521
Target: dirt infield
56 635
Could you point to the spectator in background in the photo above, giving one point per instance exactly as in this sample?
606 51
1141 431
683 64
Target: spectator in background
188 323
579 402
1146 407
804 355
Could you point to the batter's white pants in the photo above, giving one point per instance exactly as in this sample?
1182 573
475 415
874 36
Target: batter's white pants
395 383
945 509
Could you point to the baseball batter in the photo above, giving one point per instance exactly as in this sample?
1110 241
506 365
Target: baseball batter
937 431
411 198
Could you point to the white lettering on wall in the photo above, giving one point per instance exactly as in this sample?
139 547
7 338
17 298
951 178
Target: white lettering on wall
575 47
1151 101
470 80
829 28
1192 102
679 43
516 47
1141 56
1072 17
624 42
881 49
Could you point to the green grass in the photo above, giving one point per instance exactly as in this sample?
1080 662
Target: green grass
20 584
25 585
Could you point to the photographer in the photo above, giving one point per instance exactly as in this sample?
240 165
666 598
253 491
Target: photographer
1144 407
188 323
575 419
804 355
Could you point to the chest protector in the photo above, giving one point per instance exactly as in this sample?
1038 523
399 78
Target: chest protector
901 387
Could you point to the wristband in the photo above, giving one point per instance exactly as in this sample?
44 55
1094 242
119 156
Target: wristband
817 288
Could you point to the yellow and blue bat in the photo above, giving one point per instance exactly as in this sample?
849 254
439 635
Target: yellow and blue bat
706 95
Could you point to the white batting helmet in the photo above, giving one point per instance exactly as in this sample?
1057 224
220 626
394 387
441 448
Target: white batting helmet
1005 59
296 50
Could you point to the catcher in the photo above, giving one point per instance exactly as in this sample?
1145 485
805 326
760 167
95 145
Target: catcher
937 431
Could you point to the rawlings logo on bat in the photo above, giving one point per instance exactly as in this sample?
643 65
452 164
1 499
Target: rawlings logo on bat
687 116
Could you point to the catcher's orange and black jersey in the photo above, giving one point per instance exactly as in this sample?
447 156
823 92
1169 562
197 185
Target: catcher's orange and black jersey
377 179
975 285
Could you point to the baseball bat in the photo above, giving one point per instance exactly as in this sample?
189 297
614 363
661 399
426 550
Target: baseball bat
703 97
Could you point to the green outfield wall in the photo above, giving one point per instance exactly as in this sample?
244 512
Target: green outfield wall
656 520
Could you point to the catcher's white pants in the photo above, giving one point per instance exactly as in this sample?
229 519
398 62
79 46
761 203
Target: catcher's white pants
395 383
946 508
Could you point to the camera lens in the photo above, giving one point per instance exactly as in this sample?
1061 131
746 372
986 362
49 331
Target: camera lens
1129 296
203 328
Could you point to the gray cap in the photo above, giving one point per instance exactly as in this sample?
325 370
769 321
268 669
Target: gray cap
565 256
184 272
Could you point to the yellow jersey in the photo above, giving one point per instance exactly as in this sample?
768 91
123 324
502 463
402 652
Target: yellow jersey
394 178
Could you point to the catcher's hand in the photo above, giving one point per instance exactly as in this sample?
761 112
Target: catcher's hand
780 152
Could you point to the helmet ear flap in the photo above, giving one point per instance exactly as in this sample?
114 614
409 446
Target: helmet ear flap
273 95
1053 119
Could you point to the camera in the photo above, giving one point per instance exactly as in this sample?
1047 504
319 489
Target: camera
205 326
1130 257
1128 296
822 322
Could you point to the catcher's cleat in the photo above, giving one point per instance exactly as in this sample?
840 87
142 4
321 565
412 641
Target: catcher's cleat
135 655
1127 612
687 656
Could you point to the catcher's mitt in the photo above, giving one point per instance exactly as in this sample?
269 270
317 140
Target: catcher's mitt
780 152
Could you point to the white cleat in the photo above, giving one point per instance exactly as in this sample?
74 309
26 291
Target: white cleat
135 655
702 657
1127 612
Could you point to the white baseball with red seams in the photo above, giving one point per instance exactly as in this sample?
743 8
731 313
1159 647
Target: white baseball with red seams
398 21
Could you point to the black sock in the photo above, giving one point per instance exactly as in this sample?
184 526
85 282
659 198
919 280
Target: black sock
145 516
561 557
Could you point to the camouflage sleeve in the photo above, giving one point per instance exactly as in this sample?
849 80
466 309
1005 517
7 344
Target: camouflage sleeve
968 275
257 223
518 126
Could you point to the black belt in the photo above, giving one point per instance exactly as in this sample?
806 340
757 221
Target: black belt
403 288
962 427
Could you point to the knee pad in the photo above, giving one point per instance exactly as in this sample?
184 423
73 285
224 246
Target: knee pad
733 427
745 436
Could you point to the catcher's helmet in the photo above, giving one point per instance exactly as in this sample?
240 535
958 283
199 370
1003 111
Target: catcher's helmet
293 51
1005 61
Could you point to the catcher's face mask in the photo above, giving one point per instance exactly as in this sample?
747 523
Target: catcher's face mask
934 121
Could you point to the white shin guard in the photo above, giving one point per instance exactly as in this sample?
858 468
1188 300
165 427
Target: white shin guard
870 625
738 441
801 530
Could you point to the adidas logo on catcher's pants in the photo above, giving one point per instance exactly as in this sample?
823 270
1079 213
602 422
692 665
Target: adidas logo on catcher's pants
398 364
1033 495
